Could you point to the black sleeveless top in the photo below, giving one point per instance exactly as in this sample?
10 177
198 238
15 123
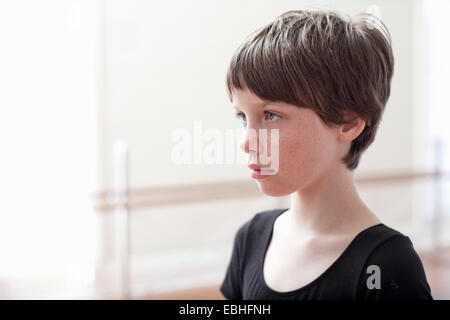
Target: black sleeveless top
379 263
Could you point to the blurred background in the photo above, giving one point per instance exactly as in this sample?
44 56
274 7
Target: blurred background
95 95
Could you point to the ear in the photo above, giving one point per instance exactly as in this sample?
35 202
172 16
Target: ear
349 132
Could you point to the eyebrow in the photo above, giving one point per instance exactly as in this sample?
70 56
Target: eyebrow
262 104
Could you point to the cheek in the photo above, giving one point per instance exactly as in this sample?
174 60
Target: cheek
303 153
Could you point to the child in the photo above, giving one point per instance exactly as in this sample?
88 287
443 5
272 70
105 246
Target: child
323 81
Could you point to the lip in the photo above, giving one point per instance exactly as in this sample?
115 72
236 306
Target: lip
256 174
255 167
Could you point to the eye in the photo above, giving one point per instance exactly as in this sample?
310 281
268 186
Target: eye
270 113
240 115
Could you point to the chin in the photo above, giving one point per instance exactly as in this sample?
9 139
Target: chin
272 190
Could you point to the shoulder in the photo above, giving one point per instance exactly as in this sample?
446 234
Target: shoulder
261 222
393 270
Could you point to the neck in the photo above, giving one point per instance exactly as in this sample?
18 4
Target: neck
330 204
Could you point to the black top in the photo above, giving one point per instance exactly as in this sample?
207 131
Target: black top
400 274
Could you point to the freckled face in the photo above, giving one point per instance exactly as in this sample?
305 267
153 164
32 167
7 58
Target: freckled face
307 148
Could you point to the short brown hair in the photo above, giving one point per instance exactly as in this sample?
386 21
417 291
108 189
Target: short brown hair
320 60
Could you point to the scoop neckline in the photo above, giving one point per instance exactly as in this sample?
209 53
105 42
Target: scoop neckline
317 279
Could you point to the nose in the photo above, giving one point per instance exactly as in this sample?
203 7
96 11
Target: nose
251 143
257 141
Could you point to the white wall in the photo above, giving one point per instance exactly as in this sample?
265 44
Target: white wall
48 129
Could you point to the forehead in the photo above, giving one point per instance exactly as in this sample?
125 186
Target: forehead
243 98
